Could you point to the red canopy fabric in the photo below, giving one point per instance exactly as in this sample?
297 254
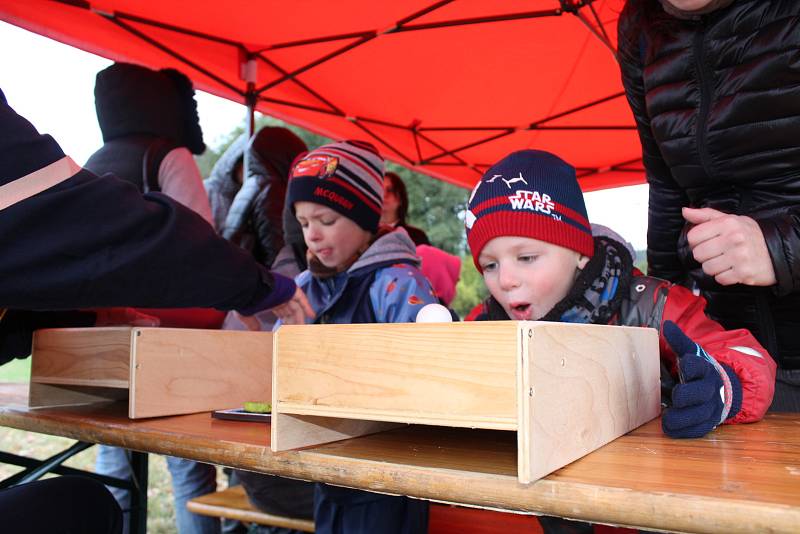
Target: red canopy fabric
446 87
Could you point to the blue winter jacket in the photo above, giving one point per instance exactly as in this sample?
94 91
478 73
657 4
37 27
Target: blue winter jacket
383 286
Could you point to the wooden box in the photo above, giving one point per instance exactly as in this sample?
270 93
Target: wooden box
162 371
565 389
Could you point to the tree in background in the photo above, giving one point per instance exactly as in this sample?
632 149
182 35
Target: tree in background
207 160
438 208
433 205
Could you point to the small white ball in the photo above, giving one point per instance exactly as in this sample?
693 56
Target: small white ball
434 313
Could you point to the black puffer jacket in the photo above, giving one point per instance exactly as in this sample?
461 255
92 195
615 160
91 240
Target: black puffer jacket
252 215
717 105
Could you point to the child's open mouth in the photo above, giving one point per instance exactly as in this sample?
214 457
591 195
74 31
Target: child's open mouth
521 311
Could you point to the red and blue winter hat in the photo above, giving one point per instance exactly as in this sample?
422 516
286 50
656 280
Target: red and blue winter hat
346 176
532 194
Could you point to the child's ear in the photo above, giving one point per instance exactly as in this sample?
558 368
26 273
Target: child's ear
582 261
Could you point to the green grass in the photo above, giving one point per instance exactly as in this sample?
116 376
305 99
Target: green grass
16 371
161 514
160 509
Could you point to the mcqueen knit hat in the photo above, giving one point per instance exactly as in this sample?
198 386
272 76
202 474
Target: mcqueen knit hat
532 194
346 177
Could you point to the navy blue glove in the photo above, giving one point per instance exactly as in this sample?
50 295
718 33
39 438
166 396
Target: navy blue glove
708 393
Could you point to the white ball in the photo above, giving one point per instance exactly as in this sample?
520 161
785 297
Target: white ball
434 313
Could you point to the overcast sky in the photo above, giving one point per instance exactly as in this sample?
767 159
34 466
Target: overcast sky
52 85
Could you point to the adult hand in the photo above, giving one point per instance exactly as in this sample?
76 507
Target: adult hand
708 392
123 316
731 248
249 321
296 310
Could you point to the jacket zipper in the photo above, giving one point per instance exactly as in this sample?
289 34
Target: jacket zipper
705 101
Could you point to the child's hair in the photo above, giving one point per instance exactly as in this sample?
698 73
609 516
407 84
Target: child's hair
399 188
531 194
346 177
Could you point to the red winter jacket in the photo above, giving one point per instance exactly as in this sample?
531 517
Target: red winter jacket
651 301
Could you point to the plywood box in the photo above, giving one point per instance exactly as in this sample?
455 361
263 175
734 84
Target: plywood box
565 389
162 371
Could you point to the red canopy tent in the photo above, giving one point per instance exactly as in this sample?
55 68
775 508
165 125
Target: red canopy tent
445 87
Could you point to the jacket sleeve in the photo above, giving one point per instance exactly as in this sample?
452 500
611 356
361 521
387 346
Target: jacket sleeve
398 293
665 220
737 349
255 219
268 222
782 235
96 241
180 180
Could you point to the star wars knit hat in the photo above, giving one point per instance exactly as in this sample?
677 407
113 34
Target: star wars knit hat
532 194
346 177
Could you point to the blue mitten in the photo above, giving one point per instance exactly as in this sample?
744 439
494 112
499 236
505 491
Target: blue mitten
708 393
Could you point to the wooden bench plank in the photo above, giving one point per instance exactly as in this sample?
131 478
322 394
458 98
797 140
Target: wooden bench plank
233 503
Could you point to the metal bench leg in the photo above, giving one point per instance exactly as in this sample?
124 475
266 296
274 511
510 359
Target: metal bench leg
137 516
46 466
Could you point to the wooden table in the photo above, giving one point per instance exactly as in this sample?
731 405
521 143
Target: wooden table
739 479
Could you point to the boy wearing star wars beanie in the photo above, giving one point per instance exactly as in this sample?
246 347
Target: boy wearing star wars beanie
531 239
358 273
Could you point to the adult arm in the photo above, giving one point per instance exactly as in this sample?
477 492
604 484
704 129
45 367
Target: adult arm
179 178
255 218
665 221
268 215
782 235
91 242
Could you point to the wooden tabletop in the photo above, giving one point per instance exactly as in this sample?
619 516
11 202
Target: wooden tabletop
743 478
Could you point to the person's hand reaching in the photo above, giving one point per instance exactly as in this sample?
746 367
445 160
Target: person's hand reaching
296 310
123 317
708 393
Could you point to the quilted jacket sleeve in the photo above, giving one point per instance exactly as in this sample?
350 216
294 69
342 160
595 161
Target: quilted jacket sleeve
665 221
782 234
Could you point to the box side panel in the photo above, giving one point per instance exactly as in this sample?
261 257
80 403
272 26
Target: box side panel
51 395
590 384
456 374
524 401
177 371
297 431
98 357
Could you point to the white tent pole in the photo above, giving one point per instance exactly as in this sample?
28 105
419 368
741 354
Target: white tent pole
250 75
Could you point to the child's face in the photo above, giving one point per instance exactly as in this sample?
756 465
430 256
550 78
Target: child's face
332 237
528 277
